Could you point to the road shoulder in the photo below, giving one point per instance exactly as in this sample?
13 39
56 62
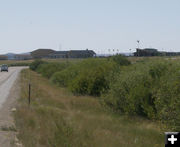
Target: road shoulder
7 129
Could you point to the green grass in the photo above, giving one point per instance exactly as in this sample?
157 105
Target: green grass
57 118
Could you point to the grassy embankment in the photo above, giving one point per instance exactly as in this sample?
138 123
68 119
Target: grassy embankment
57 118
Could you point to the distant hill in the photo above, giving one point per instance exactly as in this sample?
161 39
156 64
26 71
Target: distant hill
11 56
28 53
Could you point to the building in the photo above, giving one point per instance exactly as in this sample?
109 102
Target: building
3 57
72 54
41 53
58 54
10 56
154 52
22 57
147 52
172 53
81 53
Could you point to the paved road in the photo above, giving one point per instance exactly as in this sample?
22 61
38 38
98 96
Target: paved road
7 80
9 92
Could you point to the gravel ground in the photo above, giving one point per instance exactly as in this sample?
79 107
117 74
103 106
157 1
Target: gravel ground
9 92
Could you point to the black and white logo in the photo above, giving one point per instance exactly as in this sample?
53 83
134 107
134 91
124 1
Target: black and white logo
172 139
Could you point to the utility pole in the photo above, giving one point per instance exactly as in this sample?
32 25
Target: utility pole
138 41
130 50
60 47
109 52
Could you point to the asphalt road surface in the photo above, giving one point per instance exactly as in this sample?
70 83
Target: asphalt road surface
9 92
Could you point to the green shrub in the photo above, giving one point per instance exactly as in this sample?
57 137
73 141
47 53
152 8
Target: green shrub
167 97
158 69
132 90
121 60
92 81
47 70
35 64
150 89
86 77
130 93
92 78
64 77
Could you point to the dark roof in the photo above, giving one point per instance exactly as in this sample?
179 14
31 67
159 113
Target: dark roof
43 50
41 53
150 49
22 55
59 53
73 52
3 56
82 51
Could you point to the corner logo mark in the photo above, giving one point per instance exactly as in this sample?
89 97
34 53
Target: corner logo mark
172 139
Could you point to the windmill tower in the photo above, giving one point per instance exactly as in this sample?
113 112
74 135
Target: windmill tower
60 47
138 44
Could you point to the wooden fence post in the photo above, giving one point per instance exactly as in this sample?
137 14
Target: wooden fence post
29 98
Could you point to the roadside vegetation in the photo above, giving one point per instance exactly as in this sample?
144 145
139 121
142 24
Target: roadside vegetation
105 94
57 118
86 77
148 88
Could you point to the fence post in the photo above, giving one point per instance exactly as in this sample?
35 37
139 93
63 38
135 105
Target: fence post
29 98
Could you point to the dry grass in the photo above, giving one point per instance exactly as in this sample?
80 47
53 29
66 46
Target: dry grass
14 61
57 118
74 60
9 62
139 59
60 60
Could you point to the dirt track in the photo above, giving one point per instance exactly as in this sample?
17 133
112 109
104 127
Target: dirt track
9 92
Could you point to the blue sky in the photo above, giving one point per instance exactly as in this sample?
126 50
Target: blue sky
94 24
